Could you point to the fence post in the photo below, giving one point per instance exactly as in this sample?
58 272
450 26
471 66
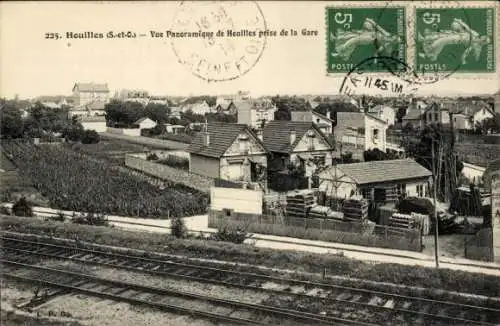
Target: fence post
386 232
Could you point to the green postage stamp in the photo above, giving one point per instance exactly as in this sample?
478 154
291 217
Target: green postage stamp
358 34
455 39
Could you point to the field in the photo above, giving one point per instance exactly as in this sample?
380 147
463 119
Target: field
74 181
112 150
12 186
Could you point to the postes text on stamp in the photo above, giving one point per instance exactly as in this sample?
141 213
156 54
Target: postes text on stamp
356 34
455 39
218 41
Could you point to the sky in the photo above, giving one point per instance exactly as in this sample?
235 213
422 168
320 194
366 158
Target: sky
31 65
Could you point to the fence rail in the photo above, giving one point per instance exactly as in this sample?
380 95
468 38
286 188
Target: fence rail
322 229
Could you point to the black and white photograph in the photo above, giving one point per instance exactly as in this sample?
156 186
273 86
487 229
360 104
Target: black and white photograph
249 163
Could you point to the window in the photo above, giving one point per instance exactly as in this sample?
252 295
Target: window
420 190
375 135
436 117
317 120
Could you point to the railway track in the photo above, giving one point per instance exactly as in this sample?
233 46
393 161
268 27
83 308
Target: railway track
229 311
416 310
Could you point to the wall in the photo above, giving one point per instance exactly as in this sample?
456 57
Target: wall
123 131
318 143
473 173
237 200
205 166
481 115
166 172
371 141
97 126
342 188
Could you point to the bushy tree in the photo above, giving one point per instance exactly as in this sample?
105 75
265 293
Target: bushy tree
178 228
22 208
90 137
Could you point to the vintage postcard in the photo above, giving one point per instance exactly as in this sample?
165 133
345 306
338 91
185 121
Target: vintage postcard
250 162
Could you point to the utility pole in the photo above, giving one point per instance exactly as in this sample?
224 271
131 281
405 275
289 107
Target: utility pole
436 222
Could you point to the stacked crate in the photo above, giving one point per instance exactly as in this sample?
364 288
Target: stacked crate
355 209
403 221
323 212
299 205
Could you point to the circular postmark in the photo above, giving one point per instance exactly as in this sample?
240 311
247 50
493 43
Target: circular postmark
219 41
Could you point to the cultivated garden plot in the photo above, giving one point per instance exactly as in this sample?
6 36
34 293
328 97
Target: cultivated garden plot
72 181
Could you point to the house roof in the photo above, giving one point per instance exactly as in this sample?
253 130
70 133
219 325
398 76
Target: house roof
276 134
142 120
380 171
413 115
96 118
222 136
91 87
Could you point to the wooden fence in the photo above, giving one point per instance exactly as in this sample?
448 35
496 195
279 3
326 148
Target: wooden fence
322 229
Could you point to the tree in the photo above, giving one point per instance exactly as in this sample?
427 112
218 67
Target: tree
178 228
11 121
124 113
378 155
157 112
90 137
22 208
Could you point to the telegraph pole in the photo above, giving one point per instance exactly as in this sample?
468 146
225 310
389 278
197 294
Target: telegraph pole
436 222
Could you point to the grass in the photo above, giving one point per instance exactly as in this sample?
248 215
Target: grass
443 279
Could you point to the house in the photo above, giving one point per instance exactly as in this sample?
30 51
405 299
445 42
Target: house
436 113
385 113
174 129
297 143
175 112
96 108
374 129
413 117
313 104
473 172
158 100
228 151
145 123
379 181
478 114
97 123
85 93
200 108
226 108
255 114
134 95
324 122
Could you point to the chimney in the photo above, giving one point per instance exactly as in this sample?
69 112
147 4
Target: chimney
293 135
206 138
328 114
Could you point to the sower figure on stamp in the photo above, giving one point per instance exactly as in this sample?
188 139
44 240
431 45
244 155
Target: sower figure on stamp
460 33
371 34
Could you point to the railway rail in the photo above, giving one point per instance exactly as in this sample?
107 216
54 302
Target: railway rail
417 310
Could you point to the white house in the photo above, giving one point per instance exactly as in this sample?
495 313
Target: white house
97 123
376 180
145 123
85 93
200 108
383 112
253 113
374 129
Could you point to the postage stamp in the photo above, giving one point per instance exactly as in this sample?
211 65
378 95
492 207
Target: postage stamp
356 34
218 41
455 39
